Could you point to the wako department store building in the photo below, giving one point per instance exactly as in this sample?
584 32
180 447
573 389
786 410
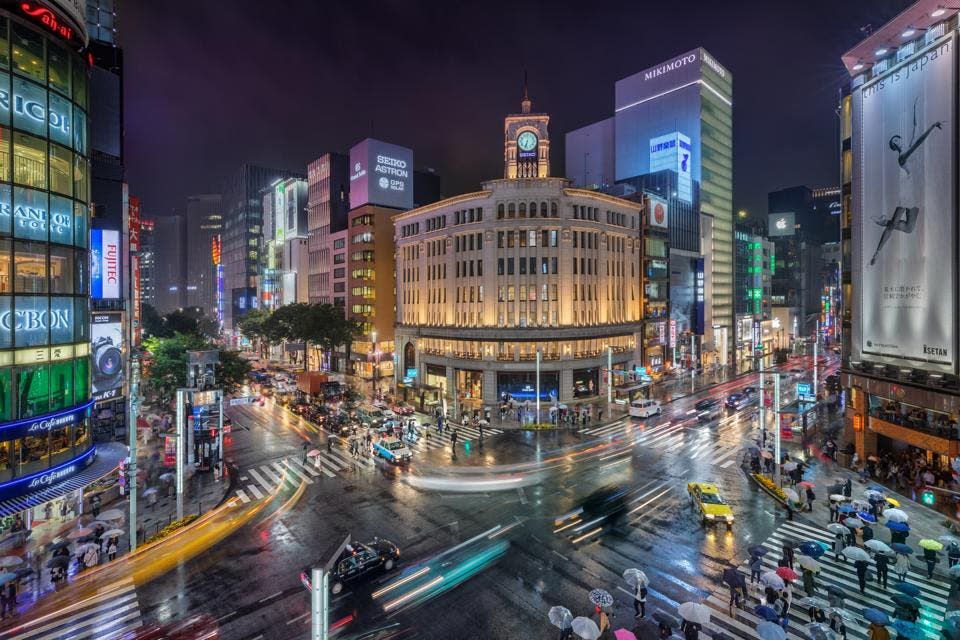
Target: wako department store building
46 448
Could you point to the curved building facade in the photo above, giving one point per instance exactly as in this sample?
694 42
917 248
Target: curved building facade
486 279
45 275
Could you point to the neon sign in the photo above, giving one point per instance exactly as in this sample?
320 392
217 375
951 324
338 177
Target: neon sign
47 18
36 218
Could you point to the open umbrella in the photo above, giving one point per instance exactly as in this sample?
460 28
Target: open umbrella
767 613
873 494
792 495
313 453
758 551
733 578
945 539
896 515
907 588
908 630
846 508
853 523
766 454
878 546
866 517
772 580
57 544
811 549
806 484
897 526
23 572
751 447
82 532
954 571
860 505
905 601
806 562
838 497
819 631
876 616
623 634
855 553
891 501
111 514
787 573
789 466
837 528
601 598
10 561
813 601
7 576
694 612
167 477
149 492
585 628
113 533
560 617
58 561
843 613
770 631
930 545
635 577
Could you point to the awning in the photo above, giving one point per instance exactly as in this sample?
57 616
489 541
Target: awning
108 457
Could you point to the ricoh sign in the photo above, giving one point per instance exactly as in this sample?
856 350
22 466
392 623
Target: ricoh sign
381 174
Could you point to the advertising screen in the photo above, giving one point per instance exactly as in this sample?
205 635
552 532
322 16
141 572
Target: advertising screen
381 173
106 338
104 264
781 224
906 211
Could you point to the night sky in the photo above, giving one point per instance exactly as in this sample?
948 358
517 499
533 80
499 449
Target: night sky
212 84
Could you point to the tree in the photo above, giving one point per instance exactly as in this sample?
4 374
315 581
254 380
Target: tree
166 369
254 326
232 371
186 321
150 321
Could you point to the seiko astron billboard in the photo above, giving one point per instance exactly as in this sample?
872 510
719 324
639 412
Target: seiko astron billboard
905 212
382 174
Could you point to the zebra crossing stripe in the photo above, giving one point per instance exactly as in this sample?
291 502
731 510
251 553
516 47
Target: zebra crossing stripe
293 464
107 615
259 478
244 498
255 491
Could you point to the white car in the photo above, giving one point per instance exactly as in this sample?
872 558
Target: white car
645 408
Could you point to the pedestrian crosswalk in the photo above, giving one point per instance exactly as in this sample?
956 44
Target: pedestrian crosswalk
933 594
430 440
109 615
672 436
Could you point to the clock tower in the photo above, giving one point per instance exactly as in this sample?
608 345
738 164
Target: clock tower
526 142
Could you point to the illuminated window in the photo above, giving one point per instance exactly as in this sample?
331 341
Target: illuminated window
61 161
81 183
29 161
28 53
4 55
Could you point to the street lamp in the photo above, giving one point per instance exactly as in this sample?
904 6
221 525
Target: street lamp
376 361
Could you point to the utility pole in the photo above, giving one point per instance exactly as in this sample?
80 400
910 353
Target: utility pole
320 596
763 408
181 440
134 410
538 385
776 426
609 377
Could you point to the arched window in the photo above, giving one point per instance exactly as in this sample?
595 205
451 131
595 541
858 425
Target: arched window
543 209
533 209
523 209
511 210
500 211
553 209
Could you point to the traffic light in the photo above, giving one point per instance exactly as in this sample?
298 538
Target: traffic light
928 498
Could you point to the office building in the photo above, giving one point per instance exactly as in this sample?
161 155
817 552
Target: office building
753 263
169 267
285 265
328 200
526 269
47 277
242 237
148 261
671 136
204 224
899 238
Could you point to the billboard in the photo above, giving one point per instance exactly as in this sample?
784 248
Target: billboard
674 151
658 213
382 174
104 264
905 212
106 340
781 224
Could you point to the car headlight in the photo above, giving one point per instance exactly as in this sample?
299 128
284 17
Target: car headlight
710 516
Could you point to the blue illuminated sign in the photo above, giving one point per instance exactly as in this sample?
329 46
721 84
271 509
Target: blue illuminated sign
48 477
43 424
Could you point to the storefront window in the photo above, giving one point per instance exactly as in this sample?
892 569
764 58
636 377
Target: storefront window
35 455
6 397
80 225
80 188
29 161
61 167
30 267
6 267
33 390
30 106
470 384
522 385
28 53
586 382
61 270
81 435
6 460
61 385
81 378
59 68
5 171
60 449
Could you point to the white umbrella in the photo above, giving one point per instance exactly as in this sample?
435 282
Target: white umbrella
855 553
111 514
789 466
872 494
695 612
807 562
585 628
635 577
10 561
149 492
770 631
853 523
838 497
82 532
792 495
772 580
878 545
113 533
896 515
819 631
560 617
837 528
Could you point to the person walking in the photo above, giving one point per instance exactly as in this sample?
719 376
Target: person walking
640 602
329 444
599 414
901 566
838 546
112 549
877 632
756 568
603 623
834 512
453 440
882 562
809 584
788 554
930 557
811 496
861 567
95 505
734 599
304 449
953 554
837 625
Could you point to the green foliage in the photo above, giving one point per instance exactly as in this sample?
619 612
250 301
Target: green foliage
167 366
231 371
322 327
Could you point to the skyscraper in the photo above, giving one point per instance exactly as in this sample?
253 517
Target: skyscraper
169 267
204 223
328 196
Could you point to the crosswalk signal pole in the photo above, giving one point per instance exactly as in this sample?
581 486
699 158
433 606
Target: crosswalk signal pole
134 410
220 463
181 442
319 604
763 408
776 426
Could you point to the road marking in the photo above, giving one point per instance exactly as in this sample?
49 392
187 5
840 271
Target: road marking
271 596
244 498
298 618
256 492
266 485
561 555
292 475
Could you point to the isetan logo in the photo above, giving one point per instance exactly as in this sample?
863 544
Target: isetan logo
934 351
670 66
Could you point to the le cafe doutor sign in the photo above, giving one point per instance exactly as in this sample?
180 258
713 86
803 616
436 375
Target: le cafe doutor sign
39 426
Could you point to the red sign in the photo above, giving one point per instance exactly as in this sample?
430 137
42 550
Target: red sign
215 249
659 213
133 223
48 19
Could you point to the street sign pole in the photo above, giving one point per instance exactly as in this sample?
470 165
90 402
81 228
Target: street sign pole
538 385
220 434
320 595
816 389
134 409
776 426
763 408
609 377
181 441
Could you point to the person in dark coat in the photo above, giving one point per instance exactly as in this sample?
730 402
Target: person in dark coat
899 536
882 562
861 567
866 532
930 557
788 554
848 488
809 585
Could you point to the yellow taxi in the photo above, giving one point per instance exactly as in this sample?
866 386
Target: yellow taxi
713 509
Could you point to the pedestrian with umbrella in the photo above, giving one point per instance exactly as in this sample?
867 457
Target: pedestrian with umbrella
902 565
877 631
638 580
930 548
562 619
788 554
838 546
882 561
861 567
834 513
756 568
811 496
809 584
953 552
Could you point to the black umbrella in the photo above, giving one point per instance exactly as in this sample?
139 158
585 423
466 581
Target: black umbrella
53 546
905 601
733 578
58 561
758 550
666 618
24 572
836 591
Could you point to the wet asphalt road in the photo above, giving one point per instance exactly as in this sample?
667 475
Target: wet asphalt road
250 583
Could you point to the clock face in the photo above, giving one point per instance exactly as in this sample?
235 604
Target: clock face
527 141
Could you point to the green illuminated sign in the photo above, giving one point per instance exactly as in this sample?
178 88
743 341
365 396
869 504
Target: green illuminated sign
928 498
